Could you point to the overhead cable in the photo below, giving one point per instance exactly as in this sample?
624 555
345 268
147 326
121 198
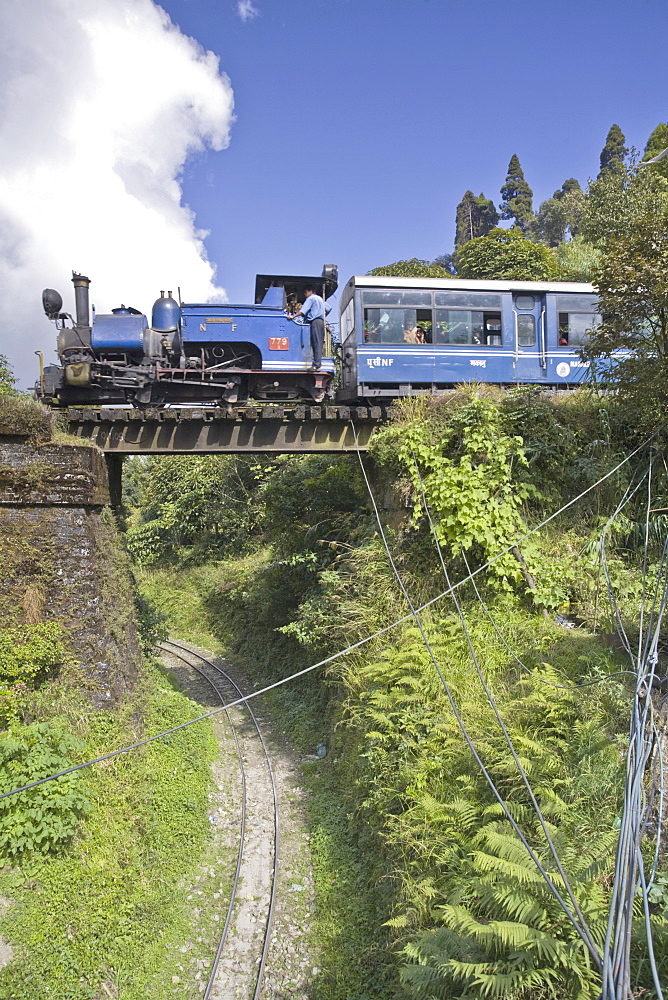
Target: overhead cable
583 928
334 656
581 931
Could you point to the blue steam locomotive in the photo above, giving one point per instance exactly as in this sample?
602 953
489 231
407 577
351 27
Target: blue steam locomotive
398 336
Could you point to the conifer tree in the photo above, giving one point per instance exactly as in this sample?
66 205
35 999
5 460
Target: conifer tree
516 195
613 153
475 217
657 142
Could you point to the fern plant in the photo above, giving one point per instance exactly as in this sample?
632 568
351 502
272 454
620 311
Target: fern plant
477 918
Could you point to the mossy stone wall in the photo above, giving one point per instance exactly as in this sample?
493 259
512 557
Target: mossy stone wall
61 559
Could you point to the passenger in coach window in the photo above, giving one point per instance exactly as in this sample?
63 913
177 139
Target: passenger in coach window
412 333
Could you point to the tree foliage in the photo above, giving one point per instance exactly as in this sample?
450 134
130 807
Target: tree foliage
505 253
657 142
475 217
7 380
577 259
617 200
558 218
201 503
613 153
447 262
413 268
632 282
516 197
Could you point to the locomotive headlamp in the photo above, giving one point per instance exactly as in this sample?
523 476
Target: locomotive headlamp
52 302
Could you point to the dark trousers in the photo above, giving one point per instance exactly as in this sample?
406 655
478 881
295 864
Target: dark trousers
317 338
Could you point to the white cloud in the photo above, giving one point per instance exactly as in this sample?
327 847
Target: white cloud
246 10
101 104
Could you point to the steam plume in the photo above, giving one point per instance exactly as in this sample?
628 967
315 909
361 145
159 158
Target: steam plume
103 102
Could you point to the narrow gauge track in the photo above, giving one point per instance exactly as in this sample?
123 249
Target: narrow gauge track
229 691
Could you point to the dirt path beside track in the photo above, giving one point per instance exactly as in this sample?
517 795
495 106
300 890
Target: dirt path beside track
291 970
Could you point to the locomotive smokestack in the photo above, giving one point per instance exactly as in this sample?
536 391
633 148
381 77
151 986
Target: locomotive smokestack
81 284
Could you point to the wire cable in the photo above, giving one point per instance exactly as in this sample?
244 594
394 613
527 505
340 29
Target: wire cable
541 680
582 932
585 931
629 872
340 653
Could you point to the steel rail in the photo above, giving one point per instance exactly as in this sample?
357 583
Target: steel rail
237 872
272 897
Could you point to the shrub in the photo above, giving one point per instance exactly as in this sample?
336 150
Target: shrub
43 818
27 654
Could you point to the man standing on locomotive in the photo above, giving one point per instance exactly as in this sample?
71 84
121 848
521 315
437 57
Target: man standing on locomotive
313 312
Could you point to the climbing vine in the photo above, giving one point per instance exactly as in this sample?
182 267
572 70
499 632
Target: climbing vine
461 461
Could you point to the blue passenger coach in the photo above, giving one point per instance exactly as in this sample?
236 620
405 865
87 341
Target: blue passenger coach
400 336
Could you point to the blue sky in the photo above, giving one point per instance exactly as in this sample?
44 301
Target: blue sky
360 123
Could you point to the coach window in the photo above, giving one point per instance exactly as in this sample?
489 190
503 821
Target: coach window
468 318
468 327
396 297
526 329
524 301
397 326
574 328
577 318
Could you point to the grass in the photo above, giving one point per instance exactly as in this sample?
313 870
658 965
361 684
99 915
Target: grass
110 915
182 597
349 942
352 900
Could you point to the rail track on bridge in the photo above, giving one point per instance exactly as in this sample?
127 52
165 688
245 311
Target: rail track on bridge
237 429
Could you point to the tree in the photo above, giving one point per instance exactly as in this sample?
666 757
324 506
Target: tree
7 380
657 142
559 217
447 262
475 217
202 503
613 153
632 283
412 268
618 199
516 195
505 253
577 260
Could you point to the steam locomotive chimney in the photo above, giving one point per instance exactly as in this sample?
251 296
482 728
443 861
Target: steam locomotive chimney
81 284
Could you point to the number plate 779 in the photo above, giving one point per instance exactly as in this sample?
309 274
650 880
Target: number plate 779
278 343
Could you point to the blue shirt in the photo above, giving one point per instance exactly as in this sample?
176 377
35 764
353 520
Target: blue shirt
314 308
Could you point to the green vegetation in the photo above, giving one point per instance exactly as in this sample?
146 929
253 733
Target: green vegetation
657 142
110 911
24 417
516 197
7 380
423 887
613 153
558 219
99 863
632 280
96 867
577 224
475 217
413 268
505 253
